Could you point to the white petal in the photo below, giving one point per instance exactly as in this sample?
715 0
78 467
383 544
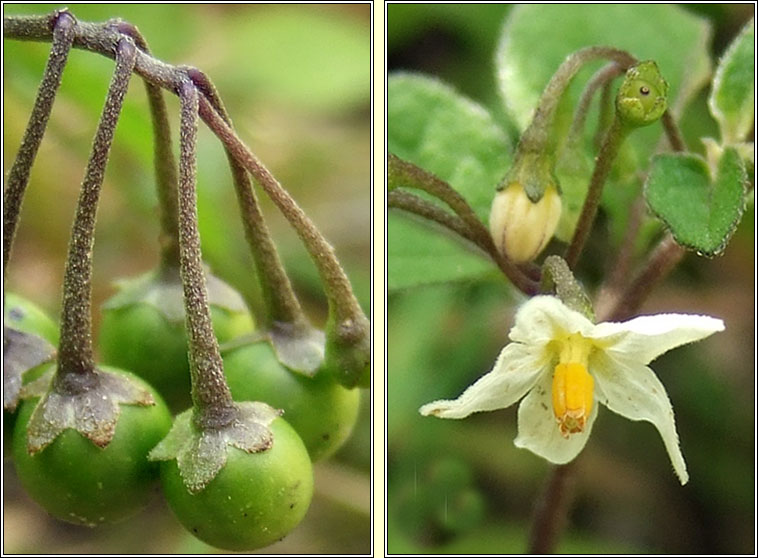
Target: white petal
538 430
517 369
544 318
634 391
647 337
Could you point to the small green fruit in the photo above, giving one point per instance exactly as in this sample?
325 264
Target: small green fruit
76 481
22 314
321 411
255 500
143 330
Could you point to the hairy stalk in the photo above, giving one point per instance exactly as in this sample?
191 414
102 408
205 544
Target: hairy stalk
613 140
101 38
411 176
612 290
165 162
75 350
347 350
336 284
63 25
605 116
525 278
618 272
166 178
558 278
418 206
537 136
661 261
603 77
211 398
347 321
551 510
673 133
281 302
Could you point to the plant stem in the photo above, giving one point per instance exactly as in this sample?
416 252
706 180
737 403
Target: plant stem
418 206
281 302
605 116
550 510
345 315
618 272
537 136
63 24
75 352
611 292
673 133
608 152
164 161
166 178
101 37
661 261
339 292
552 507
602 77
409 175
558 278
412 176
211 398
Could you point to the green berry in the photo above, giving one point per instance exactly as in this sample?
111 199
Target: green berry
76 481
22 314
322 411
255 500
143 330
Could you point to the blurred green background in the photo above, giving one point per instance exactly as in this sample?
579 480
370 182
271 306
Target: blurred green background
461 487
296 82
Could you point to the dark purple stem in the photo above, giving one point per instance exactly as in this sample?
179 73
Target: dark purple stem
661 262
550 511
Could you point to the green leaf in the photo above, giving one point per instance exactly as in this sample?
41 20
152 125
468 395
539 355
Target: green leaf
701 213
538 37
422 253
432 126
732 95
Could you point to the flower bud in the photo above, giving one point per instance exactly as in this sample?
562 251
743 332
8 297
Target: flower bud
642 97
520 227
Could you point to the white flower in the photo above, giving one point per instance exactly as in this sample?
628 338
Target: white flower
564 364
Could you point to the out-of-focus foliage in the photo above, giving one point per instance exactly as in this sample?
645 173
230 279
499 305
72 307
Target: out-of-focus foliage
442 338
434 127
733 95
296 82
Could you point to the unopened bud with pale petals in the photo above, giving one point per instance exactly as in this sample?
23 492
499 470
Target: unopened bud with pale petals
520 227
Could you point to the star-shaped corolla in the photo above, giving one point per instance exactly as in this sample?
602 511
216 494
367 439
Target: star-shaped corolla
564 364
